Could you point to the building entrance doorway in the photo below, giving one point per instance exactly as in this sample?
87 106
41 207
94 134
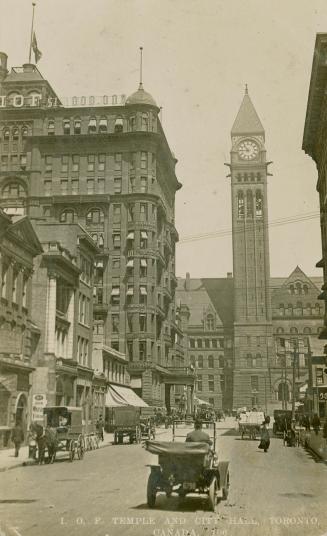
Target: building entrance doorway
21 411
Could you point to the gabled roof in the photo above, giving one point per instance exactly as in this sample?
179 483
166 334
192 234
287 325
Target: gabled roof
23 231
297 275
247 120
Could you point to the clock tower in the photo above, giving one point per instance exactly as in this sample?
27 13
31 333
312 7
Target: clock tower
252 305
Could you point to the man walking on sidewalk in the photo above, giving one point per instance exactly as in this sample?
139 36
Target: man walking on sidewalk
17 437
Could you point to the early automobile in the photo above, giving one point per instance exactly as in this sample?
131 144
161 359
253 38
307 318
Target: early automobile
187 467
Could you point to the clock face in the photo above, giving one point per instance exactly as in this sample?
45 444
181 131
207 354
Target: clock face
248 150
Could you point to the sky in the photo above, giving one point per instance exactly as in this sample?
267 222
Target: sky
198 55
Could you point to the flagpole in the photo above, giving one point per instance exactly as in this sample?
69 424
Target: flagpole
30 53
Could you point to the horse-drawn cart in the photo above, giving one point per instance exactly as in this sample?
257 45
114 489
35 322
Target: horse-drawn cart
249 423
126 423
67 423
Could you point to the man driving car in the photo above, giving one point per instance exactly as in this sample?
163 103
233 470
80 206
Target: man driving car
197 435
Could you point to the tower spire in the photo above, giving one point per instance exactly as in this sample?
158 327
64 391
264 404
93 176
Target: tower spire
141 68
246 89
32 29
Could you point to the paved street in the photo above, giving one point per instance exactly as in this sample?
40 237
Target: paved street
278 493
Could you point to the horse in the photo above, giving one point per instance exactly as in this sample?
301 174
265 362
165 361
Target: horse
45 439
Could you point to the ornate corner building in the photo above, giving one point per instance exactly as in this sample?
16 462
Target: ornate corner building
103 165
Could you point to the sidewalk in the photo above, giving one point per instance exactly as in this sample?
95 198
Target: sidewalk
318 444
8 460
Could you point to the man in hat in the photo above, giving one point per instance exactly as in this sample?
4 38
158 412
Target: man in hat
197 435
17 437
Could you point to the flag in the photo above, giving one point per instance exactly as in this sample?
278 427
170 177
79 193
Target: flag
37 52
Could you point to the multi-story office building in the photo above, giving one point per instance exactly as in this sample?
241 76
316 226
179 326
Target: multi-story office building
19 335
105 164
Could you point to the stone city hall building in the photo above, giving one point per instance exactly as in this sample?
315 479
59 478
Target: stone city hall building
106 169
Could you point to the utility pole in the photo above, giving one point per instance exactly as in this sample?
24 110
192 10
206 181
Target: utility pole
295 355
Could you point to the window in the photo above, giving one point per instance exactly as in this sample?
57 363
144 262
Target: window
116 263
240 205
199 343
144 122
199 382
48 164
64 164
294 330
47 188
100 186
143 294
116 241
192 343
92 127
144 184
14 285
307 330
249 204
130 350
77 126
63 187
13 190
280 330
118 161
254 383
143 268
258 204
68 216
51 127
101 162
305 289
211 383
75 186
200 361
117 185
6 134
210 361
131 184
15 134
144 160
4 281
66 126
115 323
75 163
4 162
90 162
90 186
319 376
116 213
115 295
24 132
131 212
143 212
142 350
143 322
94 216
24 292
118 125
210 322
103 125
221 361
133 161
207 343
144 240
132 123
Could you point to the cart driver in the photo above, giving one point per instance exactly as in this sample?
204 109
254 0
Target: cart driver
198 435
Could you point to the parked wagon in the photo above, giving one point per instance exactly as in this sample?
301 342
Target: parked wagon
250 423
67 422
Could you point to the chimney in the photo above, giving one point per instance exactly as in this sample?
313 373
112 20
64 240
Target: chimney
229 275
3 66
187 281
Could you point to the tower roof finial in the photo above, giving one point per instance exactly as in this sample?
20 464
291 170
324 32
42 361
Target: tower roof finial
246 89
141 68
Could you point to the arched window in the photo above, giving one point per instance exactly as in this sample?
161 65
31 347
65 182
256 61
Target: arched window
118 124
103 125
13 190
249 204
220 361
6 134
258 204
280 330
132 123
144 122
290 309
240 205
66 126
299 308
77 125
298 288
307 330
24 132
68 216
305 289
94 216
210 322
15 133
92 128
292 290
51 127
294 330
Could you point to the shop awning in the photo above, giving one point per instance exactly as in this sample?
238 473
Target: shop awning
144 234
130 236
143 291
143 263
201 402
130 291
115 291
130 263
123 396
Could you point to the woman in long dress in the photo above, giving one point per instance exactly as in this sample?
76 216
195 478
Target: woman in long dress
265 438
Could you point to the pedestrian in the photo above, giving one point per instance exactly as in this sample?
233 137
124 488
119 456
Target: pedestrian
264 437
316 423
17 437
100 426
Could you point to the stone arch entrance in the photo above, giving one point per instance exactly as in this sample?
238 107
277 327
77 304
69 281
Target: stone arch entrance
21 410
4 405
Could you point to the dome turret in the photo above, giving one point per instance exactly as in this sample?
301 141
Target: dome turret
141 97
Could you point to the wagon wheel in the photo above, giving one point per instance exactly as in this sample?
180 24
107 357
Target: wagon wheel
226 487
96 441
151 491
71 450
80 447
213 492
